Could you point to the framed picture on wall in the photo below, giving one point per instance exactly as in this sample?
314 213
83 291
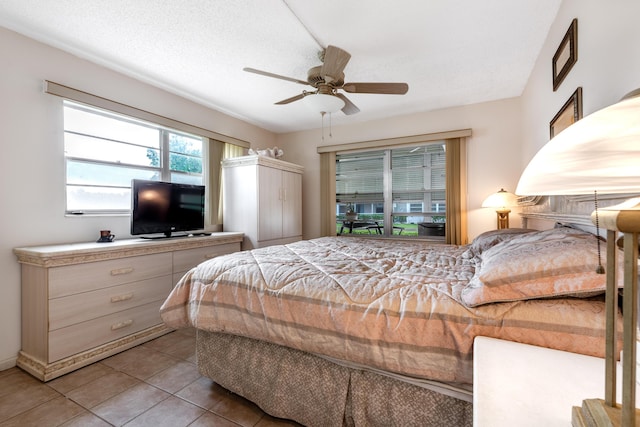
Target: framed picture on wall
570 113
566 55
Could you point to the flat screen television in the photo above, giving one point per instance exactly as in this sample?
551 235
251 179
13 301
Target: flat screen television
165 207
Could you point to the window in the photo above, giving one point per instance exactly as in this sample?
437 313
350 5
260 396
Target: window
405 185
454 214
104 151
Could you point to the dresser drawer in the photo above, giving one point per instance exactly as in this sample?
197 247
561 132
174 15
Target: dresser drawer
76 338
189 258
72 309
72 279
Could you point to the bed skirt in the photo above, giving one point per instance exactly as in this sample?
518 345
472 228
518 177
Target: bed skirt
313 391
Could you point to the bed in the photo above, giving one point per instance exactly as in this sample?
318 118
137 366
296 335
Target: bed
361 331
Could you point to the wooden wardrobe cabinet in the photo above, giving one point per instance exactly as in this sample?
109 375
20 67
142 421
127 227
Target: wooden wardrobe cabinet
262 197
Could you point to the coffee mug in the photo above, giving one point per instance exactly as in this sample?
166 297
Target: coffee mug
106 236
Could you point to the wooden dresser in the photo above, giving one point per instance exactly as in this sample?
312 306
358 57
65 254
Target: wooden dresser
86 301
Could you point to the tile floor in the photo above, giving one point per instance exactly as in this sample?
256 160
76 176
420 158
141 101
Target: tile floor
154 384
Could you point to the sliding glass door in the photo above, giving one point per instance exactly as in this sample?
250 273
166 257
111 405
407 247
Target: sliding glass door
397 191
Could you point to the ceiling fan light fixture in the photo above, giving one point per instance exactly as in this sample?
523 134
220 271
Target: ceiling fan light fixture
323 103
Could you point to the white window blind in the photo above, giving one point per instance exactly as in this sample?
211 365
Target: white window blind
360 177
418 176
405 185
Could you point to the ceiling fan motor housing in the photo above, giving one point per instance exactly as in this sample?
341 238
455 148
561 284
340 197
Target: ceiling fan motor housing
315 77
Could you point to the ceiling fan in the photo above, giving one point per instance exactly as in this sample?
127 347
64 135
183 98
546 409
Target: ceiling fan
328 78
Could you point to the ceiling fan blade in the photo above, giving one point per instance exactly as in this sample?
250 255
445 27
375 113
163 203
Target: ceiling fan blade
290 100
335 59
383 88
349 107
276 76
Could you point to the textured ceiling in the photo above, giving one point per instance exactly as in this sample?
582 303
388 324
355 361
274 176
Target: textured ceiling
452 52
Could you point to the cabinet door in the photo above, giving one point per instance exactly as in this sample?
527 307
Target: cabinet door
292 204
270 203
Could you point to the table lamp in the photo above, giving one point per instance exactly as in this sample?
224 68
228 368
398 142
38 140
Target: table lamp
601 153
502 201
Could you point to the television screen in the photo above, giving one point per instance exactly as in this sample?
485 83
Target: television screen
165 207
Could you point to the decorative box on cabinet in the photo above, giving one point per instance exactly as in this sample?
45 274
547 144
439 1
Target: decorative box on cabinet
262 199
86 301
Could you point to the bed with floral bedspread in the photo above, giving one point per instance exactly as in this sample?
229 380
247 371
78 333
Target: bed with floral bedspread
406 310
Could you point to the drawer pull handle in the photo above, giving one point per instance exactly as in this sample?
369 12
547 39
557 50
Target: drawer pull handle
122 325
124 297
209 256
120 271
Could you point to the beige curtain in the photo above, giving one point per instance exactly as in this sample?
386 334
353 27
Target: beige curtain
218 151
328 193
456 175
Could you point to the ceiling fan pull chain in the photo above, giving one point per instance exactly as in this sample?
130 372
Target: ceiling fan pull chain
599 268
330 128
322 113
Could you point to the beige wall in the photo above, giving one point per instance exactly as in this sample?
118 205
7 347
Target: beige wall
608 65
32 161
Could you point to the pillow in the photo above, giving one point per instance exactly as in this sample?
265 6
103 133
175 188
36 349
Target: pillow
543 264
491 238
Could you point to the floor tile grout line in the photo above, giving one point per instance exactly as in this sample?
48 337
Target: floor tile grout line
146 410
95 415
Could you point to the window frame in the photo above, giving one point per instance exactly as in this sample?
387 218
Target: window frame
380 161
456 166
215 149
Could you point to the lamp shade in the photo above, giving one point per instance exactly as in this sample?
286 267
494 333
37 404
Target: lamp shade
599 153
500 200
323 103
